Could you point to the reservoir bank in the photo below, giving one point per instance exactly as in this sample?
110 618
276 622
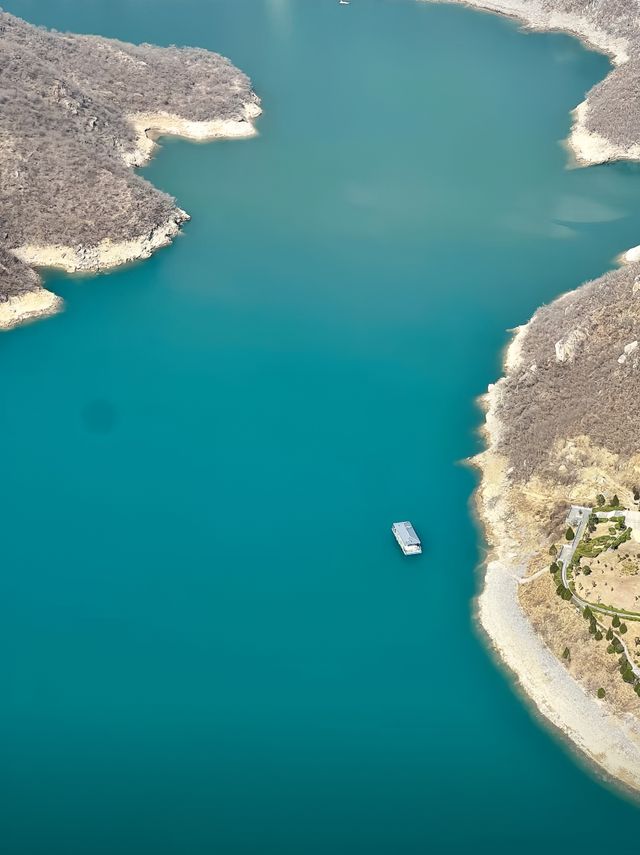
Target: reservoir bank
212 641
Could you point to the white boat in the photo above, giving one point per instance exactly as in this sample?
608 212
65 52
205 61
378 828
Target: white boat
407 538
344 2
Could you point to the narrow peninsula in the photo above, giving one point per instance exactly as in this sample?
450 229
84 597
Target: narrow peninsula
78 114
559 495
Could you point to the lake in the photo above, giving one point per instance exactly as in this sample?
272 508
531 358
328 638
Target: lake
211 642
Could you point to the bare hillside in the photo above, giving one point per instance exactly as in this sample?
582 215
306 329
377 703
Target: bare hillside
578 375
67 135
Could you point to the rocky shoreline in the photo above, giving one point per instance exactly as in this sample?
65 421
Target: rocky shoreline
604 126
108 254
149 126
609 737
87 113
104 255
29 305
520 627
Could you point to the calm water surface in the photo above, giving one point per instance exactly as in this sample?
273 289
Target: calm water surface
211 642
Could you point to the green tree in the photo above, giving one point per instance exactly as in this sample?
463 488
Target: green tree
600 500
553 550
623 628
598 636
601 693
616 621
611 648
569 533
553 567
587 613
627 673
566 653
615 501
586 570
609 634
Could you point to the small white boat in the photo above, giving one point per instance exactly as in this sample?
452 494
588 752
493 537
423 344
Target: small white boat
344 2
407 538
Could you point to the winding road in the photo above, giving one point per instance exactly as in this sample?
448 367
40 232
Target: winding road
579 517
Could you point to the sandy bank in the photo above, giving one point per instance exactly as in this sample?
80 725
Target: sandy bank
104 255
587 146
607 735
92 259
535 16
590 148
610 740
149 126
29 305
108 253
101 102
630 256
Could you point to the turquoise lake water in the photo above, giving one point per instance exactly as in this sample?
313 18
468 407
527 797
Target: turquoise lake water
210 641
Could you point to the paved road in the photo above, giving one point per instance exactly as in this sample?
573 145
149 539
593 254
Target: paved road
577 519
579 516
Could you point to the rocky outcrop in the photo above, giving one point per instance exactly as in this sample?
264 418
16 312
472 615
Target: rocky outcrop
627 351
568 346
148 126
104 255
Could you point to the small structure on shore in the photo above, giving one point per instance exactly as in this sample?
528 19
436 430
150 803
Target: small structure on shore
407 538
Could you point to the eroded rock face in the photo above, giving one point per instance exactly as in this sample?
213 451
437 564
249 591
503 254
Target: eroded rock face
67 141
568 346
628 350
23 296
